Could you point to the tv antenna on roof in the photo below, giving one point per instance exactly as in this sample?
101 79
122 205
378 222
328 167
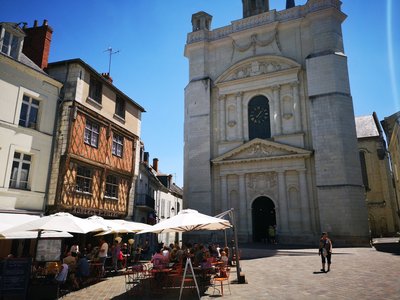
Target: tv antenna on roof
111 52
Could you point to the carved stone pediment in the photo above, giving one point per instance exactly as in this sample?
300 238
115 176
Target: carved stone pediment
259 149
257 66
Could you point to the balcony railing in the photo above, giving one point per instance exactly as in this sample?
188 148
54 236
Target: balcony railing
144 200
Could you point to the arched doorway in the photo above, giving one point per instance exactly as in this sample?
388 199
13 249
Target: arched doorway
263 214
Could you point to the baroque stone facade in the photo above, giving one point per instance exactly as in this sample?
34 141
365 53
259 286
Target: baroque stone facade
269 125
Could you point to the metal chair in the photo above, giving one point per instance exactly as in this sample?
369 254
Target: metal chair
221 279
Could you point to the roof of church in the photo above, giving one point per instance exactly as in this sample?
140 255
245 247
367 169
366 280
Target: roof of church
366 127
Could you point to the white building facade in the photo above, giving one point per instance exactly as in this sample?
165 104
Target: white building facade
28 101
269 124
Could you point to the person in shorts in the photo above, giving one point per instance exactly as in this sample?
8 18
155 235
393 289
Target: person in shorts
325 251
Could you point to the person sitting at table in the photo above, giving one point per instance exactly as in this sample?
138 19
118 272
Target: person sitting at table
224 258
70 260
61 276
165 253
173 256
198 254
159 260
82 270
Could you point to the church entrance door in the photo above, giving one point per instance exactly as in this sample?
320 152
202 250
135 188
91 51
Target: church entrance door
263 214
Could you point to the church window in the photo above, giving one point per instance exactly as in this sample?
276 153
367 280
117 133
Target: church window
259 118
364 170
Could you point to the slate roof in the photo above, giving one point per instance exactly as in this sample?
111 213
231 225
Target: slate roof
366 127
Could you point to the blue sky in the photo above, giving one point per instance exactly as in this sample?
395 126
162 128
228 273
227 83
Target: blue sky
151 68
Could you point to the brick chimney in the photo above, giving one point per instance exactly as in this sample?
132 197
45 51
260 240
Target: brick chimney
155 164
37 43
107 77
146 158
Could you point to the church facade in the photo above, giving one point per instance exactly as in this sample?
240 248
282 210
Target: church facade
269 124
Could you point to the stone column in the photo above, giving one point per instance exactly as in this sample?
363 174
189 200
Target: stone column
243 204
277 119
305 207
283 205
239 97
224 193
296 105
222 117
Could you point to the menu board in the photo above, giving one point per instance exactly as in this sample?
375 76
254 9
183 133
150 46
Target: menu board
14 278
48 250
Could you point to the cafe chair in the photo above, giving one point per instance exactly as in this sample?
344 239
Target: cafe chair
133 277
221 279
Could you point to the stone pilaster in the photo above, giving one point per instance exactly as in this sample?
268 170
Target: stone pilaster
243 202
283 205
305 207
277 120
296 106
239 98
224 193
222 117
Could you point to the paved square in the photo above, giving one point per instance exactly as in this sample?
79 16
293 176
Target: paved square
357 273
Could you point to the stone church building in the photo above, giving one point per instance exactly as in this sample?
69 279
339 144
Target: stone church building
269 124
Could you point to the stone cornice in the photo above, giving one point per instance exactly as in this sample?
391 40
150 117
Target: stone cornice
261 150
259 159
262 19
260 68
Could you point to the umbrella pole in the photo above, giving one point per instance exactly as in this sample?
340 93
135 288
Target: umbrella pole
37 244
240 279
226 239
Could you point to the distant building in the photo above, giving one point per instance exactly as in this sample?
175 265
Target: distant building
377 178
96 155
391 126
157 198
28 102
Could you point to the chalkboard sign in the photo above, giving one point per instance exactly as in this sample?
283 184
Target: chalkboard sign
48 250
14 277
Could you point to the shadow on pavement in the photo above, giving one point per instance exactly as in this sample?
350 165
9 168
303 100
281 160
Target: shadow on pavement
167 295
393 248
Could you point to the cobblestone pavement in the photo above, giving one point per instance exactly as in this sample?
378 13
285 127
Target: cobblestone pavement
356 273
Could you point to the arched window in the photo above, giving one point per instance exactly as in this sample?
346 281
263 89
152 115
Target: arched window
364 172
259 118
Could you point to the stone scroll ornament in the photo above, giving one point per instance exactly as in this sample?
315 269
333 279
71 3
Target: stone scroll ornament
254 42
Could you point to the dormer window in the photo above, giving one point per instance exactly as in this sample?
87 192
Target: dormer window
10 40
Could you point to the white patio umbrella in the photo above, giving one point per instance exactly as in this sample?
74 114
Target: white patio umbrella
9 220
105 223
59 222
124 226
188 220
17 235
